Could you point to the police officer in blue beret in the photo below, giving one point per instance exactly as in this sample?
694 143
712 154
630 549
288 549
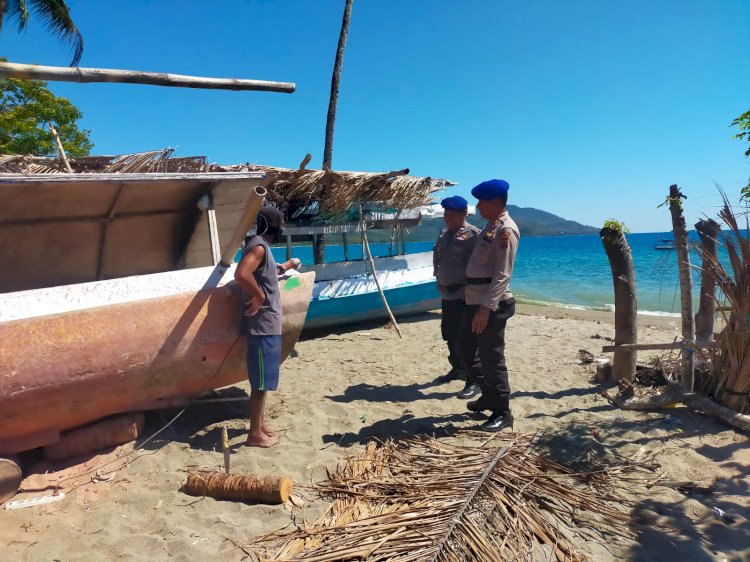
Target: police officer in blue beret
449 259
489 305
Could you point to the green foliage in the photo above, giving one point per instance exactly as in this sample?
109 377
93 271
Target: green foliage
743 122
617 226
52 14
26 106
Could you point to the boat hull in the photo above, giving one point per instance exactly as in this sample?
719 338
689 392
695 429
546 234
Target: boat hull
346 293
65 369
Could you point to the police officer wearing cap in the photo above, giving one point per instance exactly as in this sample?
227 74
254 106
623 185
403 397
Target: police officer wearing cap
449 259
489 305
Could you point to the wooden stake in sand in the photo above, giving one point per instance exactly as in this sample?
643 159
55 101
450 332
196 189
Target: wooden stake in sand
248 487
626 302
366 246
708 230
686 283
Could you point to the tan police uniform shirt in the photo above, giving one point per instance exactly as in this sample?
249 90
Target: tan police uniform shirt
450 257
493 259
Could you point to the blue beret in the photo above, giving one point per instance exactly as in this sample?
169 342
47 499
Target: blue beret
490 189
455 203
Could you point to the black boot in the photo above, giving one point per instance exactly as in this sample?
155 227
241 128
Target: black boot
470 390
497 421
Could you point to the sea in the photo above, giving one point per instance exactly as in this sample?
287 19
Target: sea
569 271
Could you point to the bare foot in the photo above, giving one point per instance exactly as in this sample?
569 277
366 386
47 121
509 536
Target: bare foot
268 431
261 440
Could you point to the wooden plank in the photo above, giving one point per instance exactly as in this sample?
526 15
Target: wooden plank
658 346
119 177
111 75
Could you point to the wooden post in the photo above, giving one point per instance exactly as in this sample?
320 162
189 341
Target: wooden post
708 230
346 246
288 247
366 246
84 75
60 149
686 283
626 303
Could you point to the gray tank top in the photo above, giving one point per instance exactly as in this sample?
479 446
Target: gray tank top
267 322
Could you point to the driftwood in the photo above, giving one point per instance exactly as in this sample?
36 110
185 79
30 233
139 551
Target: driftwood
626 304
708 230
85 75
686 283
675 394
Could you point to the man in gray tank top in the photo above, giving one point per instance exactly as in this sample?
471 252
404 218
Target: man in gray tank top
257 275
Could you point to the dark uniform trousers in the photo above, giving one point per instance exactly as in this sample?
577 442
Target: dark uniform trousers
450 326
490 371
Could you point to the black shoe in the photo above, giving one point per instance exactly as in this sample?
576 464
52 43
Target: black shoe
470 391
453 375
479 405
498 421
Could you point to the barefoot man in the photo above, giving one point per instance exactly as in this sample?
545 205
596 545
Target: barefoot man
257 275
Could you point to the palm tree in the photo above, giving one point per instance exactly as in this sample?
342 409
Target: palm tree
319 243
54 15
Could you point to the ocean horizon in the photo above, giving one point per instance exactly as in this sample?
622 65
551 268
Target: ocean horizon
568 271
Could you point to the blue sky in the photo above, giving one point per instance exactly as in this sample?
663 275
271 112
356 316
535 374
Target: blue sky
590 109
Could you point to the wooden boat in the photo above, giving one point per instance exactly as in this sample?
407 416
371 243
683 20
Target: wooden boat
345 292
95 317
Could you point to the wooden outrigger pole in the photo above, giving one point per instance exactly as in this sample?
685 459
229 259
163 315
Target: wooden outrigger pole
84 75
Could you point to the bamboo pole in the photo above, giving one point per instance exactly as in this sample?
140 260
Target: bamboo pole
111 75
686 283
366 246
60 149
708 230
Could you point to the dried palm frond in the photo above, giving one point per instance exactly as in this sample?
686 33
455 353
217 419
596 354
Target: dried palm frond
327 192
730 361
433 501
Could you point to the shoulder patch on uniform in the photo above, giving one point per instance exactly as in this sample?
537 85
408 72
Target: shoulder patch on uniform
490 231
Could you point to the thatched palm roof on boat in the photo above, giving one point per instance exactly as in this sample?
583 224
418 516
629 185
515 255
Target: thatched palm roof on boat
289 189
116 216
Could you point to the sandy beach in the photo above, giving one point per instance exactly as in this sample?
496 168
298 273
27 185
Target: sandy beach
340 390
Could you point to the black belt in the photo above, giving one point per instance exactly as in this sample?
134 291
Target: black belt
478 280
455 287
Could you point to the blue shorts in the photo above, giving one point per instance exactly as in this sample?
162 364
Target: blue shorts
263 362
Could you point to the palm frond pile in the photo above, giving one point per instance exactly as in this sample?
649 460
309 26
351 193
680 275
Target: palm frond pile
730 361
425 499
323 191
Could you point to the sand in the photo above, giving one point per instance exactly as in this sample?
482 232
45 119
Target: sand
344 388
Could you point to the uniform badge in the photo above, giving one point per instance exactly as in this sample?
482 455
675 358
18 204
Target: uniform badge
463 233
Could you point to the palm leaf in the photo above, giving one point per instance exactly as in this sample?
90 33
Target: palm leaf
432 501
54 16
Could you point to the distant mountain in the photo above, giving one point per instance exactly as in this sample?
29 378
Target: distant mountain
531 222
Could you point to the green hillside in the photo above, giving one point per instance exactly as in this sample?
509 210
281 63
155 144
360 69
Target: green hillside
531 222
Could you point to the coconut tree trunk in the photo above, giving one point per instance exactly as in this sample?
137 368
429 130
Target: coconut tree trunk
708 230
686 283
626 302
319 243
